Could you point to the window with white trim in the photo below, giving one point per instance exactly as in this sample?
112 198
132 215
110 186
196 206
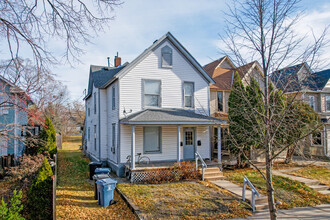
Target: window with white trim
113 98
89 134
312 102
327 103
94 102
316 139
188 94
167 57
113 137
151 93
95 137
3 146
151 140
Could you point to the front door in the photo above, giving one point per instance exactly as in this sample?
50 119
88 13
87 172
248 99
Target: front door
188 145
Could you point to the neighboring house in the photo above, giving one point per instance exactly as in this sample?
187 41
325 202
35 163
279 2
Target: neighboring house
14 104
314 89
222 72
157 105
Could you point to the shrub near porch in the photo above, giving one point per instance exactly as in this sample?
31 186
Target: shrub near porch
291 193
187 200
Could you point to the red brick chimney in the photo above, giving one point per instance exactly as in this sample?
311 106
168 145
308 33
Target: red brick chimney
117 60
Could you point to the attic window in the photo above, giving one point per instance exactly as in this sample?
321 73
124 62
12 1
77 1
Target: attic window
166 57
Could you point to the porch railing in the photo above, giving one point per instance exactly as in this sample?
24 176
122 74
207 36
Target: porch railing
204 166
254 192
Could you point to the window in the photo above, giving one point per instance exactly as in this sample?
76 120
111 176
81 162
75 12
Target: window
317 139
89 111
95 137
89 134
151 140
189 138
113 134
312 102
166 56
151 93
3 146
327 103
188 94
113 98
94 102
220 101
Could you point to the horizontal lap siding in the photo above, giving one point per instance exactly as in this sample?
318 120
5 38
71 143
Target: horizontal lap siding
169 143
112 117
204 136
104 126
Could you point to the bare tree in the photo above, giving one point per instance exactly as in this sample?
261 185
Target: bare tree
33 26
263 30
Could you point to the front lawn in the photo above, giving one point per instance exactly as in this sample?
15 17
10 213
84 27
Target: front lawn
290 193
185 200
315 172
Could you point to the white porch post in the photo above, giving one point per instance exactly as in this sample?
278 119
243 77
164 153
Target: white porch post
219 145
179 141
133 148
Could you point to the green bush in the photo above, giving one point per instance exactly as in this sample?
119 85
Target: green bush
48 137
15 207
40 194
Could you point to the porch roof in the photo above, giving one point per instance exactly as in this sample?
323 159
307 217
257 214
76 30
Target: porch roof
170 116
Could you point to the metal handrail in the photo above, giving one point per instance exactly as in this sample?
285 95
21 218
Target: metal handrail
204 166
254 192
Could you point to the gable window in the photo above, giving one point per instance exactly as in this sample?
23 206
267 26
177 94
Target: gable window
316 139
312 102
113 98
95 137
327 103
151 93
151 140
188 94
166 56
220 101
94 102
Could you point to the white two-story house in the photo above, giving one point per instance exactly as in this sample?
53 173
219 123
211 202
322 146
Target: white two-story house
157 106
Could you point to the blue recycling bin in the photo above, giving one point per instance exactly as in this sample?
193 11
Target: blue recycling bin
105 189
102 171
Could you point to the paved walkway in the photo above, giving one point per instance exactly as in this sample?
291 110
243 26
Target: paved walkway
317 212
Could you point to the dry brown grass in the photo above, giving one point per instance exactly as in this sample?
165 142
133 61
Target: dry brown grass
75 194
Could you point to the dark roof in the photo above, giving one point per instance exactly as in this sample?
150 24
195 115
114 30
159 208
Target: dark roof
287 79
209 68
100 75
170 116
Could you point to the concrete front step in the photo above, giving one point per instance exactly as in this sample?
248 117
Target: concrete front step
261 207
213 174
261 200
212 178
210 169
320 187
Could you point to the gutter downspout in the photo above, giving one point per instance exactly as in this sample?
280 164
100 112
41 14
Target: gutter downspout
99 125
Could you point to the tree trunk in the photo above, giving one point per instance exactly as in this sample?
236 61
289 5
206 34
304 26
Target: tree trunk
270 188
289 154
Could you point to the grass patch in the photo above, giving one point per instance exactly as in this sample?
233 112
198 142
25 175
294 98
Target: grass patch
185 200
315 172
75 194
291 193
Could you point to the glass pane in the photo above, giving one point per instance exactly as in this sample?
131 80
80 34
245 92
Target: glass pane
167 59
151 100
188 89
187 101
328 103
151 139
152 87
189 138
220 101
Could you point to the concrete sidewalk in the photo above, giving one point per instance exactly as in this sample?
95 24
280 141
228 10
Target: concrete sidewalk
317 212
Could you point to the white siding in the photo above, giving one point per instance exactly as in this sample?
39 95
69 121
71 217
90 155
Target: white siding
171 87
104 126
169 143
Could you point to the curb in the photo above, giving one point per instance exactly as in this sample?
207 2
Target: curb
137 212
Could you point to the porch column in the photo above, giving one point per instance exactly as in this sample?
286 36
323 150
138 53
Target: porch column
219 145
133 148
179 140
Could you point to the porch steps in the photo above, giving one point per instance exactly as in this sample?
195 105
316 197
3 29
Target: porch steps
212 173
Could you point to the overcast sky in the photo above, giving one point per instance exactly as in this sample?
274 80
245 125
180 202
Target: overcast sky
196 24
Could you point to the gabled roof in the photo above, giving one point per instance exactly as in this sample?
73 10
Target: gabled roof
15 89
224 77
103 76
170 116
321 78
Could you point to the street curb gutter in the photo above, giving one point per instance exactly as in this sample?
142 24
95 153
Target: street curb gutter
137 212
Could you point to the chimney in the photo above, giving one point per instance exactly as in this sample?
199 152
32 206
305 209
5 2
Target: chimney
117 60
108 61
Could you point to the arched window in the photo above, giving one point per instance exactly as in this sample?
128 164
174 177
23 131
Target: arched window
166 56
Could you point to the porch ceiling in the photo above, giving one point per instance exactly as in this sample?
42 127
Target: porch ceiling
170 116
